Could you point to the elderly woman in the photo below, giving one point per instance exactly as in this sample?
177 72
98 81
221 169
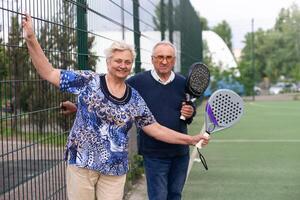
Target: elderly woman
97 147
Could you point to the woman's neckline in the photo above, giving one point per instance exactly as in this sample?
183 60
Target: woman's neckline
123 100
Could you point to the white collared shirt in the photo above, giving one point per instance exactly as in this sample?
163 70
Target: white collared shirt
158 79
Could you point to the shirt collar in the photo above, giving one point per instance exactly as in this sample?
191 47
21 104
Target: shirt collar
157 78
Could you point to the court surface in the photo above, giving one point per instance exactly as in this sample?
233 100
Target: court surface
256 159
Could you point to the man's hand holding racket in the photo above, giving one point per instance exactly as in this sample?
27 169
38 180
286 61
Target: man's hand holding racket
196 83
67 108
187 110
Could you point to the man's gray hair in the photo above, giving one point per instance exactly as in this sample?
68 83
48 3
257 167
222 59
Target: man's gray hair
164 42
119 46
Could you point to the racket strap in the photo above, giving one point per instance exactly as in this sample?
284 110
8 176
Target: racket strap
202 158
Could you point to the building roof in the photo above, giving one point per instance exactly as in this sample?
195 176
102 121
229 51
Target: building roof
219 51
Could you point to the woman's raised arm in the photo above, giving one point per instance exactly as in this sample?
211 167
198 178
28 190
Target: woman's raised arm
39 59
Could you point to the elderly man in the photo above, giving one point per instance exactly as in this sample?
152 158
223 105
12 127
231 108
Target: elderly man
164 92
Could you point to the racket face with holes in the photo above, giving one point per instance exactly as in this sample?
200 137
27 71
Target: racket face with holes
223 109
197 79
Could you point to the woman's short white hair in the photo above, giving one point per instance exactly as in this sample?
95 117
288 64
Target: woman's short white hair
119 46
164 42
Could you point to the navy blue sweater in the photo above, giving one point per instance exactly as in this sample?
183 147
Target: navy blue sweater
165 103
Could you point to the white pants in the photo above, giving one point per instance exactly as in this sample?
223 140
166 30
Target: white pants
85 184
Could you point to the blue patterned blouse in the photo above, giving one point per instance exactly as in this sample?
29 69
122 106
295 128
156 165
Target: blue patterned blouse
99 137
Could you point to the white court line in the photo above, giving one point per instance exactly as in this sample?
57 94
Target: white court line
254 140
271 106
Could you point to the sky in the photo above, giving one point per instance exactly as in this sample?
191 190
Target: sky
239 14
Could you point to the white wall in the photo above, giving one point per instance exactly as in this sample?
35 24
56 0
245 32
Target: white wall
219 51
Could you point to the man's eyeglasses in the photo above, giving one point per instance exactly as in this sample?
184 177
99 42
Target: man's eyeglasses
161 58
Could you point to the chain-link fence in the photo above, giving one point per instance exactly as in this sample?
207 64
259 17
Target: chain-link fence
73 34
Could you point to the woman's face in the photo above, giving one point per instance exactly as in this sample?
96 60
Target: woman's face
120 64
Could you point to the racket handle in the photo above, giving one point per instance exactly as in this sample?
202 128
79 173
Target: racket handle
199 144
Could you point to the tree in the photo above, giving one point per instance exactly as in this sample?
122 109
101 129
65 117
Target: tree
224 31
59 43
17 67
204 23
92 56
3 61
3 70
276 51
221 78
214 70
18 62
157 18
63 37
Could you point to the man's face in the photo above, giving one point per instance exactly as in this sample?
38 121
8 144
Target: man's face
163 59
120 64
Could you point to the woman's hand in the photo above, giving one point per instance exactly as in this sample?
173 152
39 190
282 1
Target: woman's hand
27 27
205 139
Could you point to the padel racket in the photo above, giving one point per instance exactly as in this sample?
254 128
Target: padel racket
223 109
196 83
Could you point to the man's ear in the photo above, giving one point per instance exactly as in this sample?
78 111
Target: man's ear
152 60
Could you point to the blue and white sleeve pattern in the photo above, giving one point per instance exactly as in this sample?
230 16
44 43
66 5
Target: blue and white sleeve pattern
75 81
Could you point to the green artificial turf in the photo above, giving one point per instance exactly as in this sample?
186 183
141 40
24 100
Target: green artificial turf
256 159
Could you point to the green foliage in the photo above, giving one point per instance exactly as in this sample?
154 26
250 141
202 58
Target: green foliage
136 168
61 47
3 61
18 67
224 31
276 51
157 18
215 73
63 39
246 78
204 23
5 132
213 69
92 56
